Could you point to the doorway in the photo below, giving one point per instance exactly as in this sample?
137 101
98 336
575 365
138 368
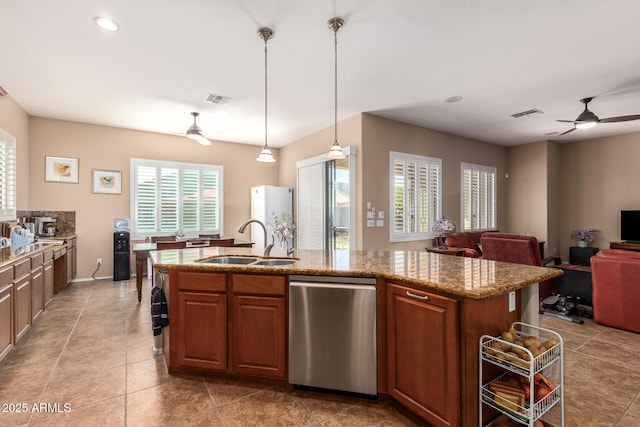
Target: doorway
326 201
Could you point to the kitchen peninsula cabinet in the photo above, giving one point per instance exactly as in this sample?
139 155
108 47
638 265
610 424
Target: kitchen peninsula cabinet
37 286
422 353
201 337
258 330
22 296
6 311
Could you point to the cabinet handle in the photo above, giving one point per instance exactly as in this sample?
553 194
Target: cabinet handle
420 297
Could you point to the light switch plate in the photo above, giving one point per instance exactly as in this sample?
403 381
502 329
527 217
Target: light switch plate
371 223
380 223
512 301
371 215
380 214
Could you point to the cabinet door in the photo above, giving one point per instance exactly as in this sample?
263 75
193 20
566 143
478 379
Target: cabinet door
48 282
423 354
71 264
22 306
37 293
258 336
202 338
6 320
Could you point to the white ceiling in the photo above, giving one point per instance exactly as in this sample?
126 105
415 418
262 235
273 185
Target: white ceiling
397 58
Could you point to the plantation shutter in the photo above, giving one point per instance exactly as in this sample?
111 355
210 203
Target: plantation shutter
415 196
8 194
311 218
171 197
478 197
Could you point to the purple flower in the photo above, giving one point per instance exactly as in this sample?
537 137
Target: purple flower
588 235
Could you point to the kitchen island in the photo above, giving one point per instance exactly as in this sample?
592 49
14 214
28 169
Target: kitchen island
431 311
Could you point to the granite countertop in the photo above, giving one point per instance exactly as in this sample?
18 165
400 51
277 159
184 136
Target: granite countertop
12 254
473 278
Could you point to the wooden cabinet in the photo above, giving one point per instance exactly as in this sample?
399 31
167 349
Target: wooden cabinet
6 311
201 337
37 286
59 269
422 354
258 329
22 298
250 317
71 259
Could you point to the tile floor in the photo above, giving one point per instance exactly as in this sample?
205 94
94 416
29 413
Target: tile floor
91 351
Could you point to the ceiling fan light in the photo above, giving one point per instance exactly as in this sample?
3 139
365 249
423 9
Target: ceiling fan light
586 125
194 132
266 156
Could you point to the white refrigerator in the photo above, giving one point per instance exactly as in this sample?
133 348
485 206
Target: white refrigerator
267 201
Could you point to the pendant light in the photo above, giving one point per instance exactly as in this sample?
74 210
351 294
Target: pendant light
336 151
265 155
194 132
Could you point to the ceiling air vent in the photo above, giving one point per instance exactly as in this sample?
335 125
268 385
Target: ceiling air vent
216 99
526 113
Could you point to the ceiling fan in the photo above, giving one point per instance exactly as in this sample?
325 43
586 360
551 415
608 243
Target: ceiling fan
587 119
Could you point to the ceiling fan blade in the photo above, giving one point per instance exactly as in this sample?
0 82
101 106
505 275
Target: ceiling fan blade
566 132
620 119
565 121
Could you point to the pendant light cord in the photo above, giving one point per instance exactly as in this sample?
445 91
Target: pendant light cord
265 91
335 86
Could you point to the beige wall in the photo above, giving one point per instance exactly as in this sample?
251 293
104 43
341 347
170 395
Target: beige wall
318 143
14 120
111 148
600 178
380 136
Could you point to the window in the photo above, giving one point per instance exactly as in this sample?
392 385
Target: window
416 200
478 197
170 196
7 177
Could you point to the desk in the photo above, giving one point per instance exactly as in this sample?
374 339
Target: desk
447 251
141 250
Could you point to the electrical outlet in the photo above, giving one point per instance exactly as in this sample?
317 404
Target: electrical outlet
99 261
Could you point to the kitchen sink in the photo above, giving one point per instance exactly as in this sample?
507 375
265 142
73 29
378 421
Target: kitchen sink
229 260
274 262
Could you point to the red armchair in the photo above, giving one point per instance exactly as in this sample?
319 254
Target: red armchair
615 275
468 240
517 249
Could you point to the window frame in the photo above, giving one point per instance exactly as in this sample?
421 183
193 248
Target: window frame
135 163
8 176
406 236
491 210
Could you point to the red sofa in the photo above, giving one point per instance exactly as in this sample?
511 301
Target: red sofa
469 240
615 275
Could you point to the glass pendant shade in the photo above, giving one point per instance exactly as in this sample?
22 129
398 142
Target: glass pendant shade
336 152
265 156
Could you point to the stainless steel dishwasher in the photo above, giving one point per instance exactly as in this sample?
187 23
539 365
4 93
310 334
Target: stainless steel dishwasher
332 333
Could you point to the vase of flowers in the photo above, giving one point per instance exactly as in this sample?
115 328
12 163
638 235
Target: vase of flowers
282 227
584 236
443 226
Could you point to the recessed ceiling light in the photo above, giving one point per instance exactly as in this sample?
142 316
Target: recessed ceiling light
107 24
453 99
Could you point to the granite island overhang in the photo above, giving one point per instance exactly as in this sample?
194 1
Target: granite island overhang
467 298
474 278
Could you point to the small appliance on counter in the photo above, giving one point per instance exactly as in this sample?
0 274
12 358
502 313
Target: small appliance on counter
45 226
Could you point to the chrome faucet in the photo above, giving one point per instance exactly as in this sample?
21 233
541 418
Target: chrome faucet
267 247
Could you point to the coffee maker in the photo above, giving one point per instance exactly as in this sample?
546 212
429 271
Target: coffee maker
45 226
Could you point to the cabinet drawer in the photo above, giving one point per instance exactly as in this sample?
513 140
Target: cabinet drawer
6 275
37 260
192 281
21 268
258 284
71 242
60 252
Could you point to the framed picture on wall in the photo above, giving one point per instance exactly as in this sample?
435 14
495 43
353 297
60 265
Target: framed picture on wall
107 182
61 169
